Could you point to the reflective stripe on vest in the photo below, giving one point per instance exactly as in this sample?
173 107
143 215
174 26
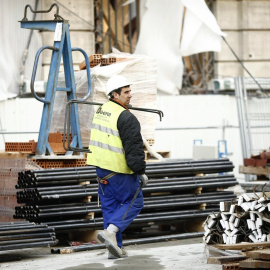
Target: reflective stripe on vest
105 129
105 142
107 147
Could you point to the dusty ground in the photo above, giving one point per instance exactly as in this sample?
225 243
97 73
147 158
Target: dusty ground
179 254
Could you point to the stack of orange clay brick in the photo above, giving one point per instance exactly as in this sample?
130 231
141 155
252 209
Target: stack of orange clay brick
56 142
23 147
96 59
60 163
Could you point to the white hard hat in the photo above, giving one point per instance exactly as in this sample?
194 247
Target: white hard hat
116 82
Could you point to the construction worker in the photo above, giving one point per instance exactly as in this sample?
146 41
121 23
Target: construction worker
117 152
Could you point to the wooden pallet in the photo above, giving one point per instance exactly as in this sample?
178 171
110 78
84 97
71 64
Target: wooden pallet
254 170
164 154
263 254
252 259
243 246
255 264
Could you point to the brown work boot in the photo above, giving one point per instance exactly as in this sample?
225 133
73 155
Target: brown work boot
123 255
109 239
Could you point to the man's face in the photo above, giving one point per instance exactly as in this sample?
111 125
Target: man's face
124 96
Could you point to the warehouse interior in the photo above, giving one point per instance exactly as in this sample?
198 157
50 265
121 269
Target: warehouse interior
200 89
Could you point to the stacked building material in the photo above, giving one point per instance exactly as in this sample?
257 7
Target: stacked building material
256 259
260 160
257 167
173 169
143 220
246 219
55 177
24 147
17 235
94 60
140 70
55 140
45 212
9 170
66 198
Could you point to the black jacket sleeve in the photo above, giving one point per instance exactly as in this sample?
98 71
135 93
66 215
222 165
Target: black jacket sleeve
130 133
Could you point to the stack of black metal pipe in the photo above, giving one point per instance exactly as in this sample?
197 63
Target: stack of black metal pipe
55 196
55 177
142 220
73 176
77 192
17 235
43 194
42 213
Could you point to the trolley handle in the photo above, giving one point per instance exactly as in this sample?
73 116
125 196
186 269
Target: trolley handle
88 73
56 15
34 73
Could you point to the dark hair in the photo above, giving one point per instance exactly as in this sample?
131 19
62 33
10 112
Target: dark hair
118 91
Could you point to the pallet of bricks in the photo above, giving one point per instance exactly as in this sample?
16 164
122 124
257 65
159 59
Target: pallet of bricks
140 70
22 147
257 165
9 169
242 226
99 59
55 140
60 163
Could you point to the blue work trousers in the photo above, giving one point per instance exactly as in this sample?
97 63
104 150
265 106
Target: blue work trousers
116 197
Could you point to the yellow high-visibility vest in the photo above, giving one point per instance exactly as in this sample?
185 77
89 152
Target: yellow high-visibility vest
105 142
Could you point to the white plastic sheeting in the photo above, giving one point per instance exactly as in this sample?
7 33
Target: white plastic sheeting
162 36
12 46
140 71
201 32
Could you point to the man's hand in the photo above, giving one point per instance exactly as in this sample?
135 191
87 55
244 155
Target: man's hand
144 179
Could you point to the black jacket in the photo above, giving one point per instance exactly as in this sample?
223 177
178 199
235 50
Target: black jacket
130 133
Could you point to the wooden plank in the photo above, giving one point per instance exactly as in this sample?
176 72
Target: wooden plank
259 254
202 206
243 246
87 236
197 190
123 41
13 155
164 154
106 37
225 259
250 263
254 170
119 28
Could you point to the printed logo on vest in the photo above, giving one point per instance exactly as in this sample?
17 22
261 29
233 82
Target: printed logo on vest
100 111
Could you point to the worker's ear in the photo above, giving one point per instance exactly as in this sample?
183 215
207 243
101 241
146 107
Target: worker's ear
115 95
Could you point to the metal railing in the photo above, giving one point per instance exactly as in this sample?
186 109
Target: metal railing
254 114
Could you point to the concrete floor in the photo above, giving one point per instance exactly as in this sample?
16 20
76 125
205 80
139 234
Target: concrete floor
178 254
